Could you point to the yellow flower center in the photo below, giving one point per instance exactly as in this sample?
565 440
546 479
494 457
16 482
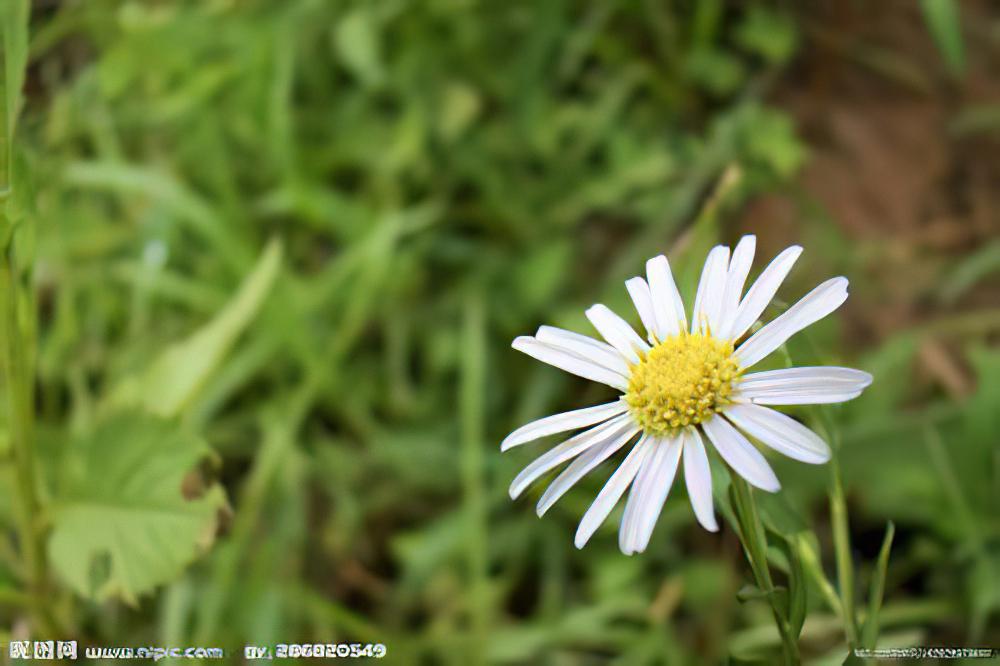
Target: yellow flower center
682 381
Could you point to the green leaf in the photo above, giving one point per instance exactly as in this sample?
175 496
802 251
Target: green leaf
944 24
869 633
780 516
460 104
357 42
14 19
194 211
750 593
717 71
807 553
173 379
797 584
770 34
14 36
975 119
121 522
970 270
769 141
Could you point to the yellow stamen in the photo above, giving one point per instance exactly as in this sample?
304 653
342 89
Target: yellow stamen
682 381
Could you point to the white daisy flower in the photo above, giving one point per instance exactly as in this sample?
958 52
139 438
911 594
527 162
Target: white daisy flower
682 382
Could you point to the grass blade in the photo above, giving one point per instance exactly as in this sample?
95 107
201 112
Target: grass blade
942 19
869 634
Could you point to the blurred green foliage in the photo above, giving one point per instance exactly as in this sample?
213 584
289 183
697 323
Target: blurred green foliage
305 232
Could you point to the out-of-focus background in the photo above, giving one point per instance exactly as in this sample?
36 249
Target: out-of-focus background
305 232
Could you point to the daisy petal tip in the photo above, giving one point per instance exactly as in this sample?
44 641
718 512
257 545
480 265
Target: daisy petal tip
840 283
767 483
822 455
521 341
815 457
655 262
709 523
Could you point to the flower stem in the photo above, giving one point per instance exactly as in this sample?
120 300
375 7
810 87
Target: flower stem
20 414
16 357
842 550
755 547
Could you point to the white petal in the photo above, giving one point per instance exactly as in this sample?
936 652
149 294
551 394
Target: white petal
698 477
798 398
586 347
580 467
779 431
569 362
802 386
708 301
815 305
611 493
740 454
640 488
572 447
763 290
550 425
662 468
736 277
617 332
643 300
667 304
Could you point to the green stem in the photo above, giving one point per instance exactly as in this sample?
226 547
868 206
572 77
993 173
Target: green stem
20 411
755 546
16 357
842 549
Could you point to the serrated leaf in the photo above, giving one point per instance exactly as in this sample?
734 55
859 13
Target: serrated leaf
173 379
121 524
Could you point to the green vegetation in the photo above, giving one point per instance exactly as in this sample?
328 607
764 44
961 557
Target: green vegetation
262 264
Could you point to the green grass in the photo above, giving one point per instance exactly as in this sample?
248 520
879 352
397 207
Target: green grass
304 233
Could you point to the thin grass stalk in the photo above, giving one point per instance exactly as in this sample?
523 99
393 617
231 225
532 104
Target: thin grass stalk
754 542
842 551
19 384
